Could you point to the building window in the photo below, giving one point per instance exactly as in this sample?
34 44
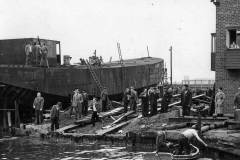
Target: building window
233 38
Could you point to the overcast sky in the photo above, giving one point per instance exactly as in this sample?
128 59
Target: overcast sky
85 25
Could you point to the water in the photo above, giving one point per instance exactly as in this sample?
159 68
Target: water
29 148
33 148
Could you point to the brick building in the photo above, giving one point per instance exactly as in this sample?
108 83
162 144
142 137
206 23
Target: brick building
225 56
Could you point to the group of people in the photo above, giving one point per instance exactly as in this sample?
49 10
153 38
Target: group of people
79 103
36 54
149 99
130 98
95 60
38 104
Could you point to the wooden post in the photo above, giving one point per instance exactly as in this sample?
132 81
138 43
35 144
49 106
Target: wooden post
17 117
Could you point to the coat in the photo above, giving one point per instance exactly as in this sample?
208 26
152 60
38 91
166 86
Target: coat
38 103
237 100
186 98
55 111
219 100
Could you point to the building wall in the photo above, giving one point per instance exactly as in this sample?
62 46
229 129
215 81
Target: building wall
227 14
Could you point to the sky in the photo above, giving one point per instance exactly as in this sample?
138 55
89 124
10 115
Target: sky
85 25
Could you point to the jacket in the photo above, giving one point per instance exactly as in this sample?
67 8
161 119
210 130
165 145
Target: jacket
38 103
55 111
186 98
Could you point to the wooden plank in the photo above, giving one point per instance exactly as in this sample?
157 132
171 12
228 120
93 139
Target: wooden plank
109 130
87 120
194 119
122 117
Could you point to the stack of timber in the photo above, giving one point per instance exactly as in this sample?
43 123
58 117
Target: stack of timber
114 126
87 120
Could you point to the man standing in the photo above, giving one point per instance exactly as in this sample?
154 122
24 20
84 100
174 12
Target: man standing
237 100
126 99
104 99
85 103
38 106
95 108
133 99
153 97
28 53
186 100
54 114
76 104
166 100
219 100
44 56
145 106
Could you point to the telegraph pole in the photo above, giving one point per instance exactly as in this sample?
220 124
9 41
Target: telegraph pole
170 49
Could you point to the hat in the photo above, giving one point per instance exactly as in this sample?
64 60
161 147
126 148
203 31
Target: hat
76 90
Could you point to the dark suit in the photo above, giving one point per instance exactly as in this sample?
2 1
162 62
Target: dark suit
186 102
54 114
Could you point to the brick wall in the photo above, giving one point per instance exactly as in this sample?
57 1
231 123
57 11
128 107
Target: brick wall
227 14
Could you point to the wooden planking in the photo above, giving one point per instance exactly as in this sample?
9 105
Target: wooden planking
109 130
122 117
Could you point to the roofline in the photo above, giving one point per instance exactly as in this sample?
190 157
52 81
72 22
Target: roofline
30 38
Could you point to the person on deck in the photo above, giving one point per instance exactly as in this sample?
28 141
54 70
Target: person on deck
186 100
212 106
133 99
183 138
237 100
85 103
145 104
219 100
76 101
166 100
44 56
38 106
95 108
126 99
54 115
28 53
153 97
104 99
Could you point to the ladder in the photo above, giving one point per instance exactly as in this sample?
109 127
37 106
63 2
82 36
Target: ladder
97 81
94 76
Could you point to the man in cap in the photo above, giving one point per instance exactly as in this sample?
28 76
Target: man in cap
28 53
237 99
166 100
133 99
38 106
186 100
145 106
44 56
219 102
104 99
75 103
54 114
85 103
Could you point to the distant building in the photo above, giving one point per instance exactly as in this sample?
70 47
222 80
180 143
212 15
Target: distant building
199 83
225 56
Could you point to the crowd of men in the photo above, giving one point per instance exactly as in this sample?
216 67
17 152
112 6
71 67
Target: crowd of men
148 100
79 103
36 54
